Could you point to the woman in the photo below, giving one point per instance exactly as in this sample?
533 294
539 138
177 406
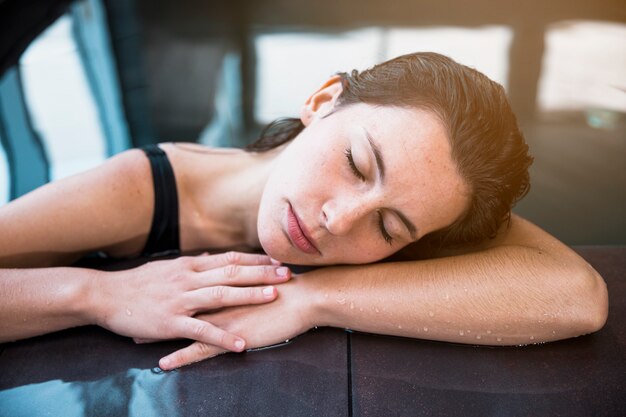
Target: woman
419 157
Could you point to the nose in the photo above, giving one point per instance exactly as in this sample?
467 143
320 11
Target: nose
339 216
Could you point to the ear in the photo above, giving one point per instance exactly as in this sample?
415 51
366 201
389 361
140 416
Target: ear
322 101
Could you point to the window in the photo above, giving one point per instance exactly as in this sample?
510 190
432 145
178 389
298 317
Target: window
61 106
291 66
584 69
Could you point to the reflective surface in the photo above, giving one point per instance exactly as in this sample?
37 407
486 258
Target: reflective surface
134 393
326 372
91 372
584 376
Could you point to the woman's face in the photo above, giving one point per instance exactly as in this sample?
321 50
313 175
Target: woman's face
359 184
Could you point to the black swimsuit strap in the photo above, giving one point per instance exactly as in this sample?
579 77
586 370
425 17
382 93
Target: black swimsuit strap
164 235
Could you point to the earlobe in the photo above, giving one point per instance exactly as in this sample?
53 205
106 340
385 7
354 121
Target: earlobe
322 102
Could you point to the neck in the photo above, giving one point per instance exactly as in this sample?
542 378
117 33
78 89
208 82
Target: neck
227 205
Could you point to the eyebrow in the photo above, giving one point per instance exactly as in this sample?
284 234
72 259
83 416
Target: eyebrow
380 164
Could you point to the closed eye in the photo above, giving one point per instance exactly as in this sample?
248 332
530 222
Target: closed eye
355 170
383 230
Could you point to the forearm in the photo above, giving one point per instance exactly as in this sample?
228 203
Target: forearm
43 300
504 295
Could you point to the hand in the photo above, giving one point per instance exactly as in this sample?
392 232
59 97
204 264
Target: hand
158 300
261 325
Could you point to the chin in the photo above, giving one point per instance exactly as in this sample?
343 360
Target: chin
272 246
283 252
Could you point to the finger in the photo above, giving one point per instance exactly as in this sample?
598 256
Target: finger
206 262
202 331
240 275
220 296
195 352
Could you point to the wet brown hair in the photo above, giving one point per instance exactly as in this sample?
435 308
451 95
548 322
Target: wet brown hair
487 145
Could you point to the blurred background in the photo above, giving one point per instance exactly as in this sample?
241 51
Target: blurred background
83 80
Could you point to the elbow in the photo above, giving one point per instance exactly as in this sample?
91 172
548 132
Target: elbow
592 308
600 312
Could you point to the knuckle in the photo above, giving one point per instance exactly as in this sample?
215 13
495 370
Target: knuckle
263 259
202 350
186 262
231 270
222 339
254 293
269 271
199 331
233 257
218 292
179 277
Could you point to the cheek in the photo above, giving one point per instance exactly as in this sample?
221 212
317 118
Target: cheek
270 234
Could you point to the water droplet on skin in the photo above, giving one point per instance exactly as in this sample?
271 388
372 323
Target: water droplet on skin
468 332
488 331
399 326
431 314
478 336
499 339
377 310
461 333
128 312
553 332
532 337
341 301
425 329
287 341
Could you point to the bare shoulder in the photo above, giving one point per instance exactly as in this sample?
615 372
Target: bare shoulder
105 208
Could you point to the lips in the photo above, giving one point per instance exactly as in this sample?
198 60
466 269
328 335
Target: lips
298 233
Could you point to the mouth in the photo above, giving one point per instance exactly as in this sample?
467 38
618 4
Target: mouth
298 233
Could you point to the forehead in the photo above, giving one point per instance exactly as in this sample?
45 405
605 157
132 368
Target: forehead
400 127
406 137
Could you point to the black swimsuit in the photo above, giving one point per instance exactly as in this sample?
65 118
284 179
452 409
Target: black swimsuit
164 237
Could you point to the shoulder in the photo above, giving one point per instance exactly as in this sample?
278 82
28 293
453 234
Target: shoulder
104 208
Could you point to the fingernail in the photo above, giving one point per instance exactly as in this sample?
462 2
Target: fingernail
275 262
165 363
239 344
282 271
268 291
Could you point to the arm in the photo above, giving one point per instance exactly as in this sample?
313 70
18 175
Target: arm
110 208
154 301
523 287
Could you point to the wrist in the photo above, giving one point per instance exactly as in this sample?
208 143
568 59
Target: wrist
87 296
316 297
